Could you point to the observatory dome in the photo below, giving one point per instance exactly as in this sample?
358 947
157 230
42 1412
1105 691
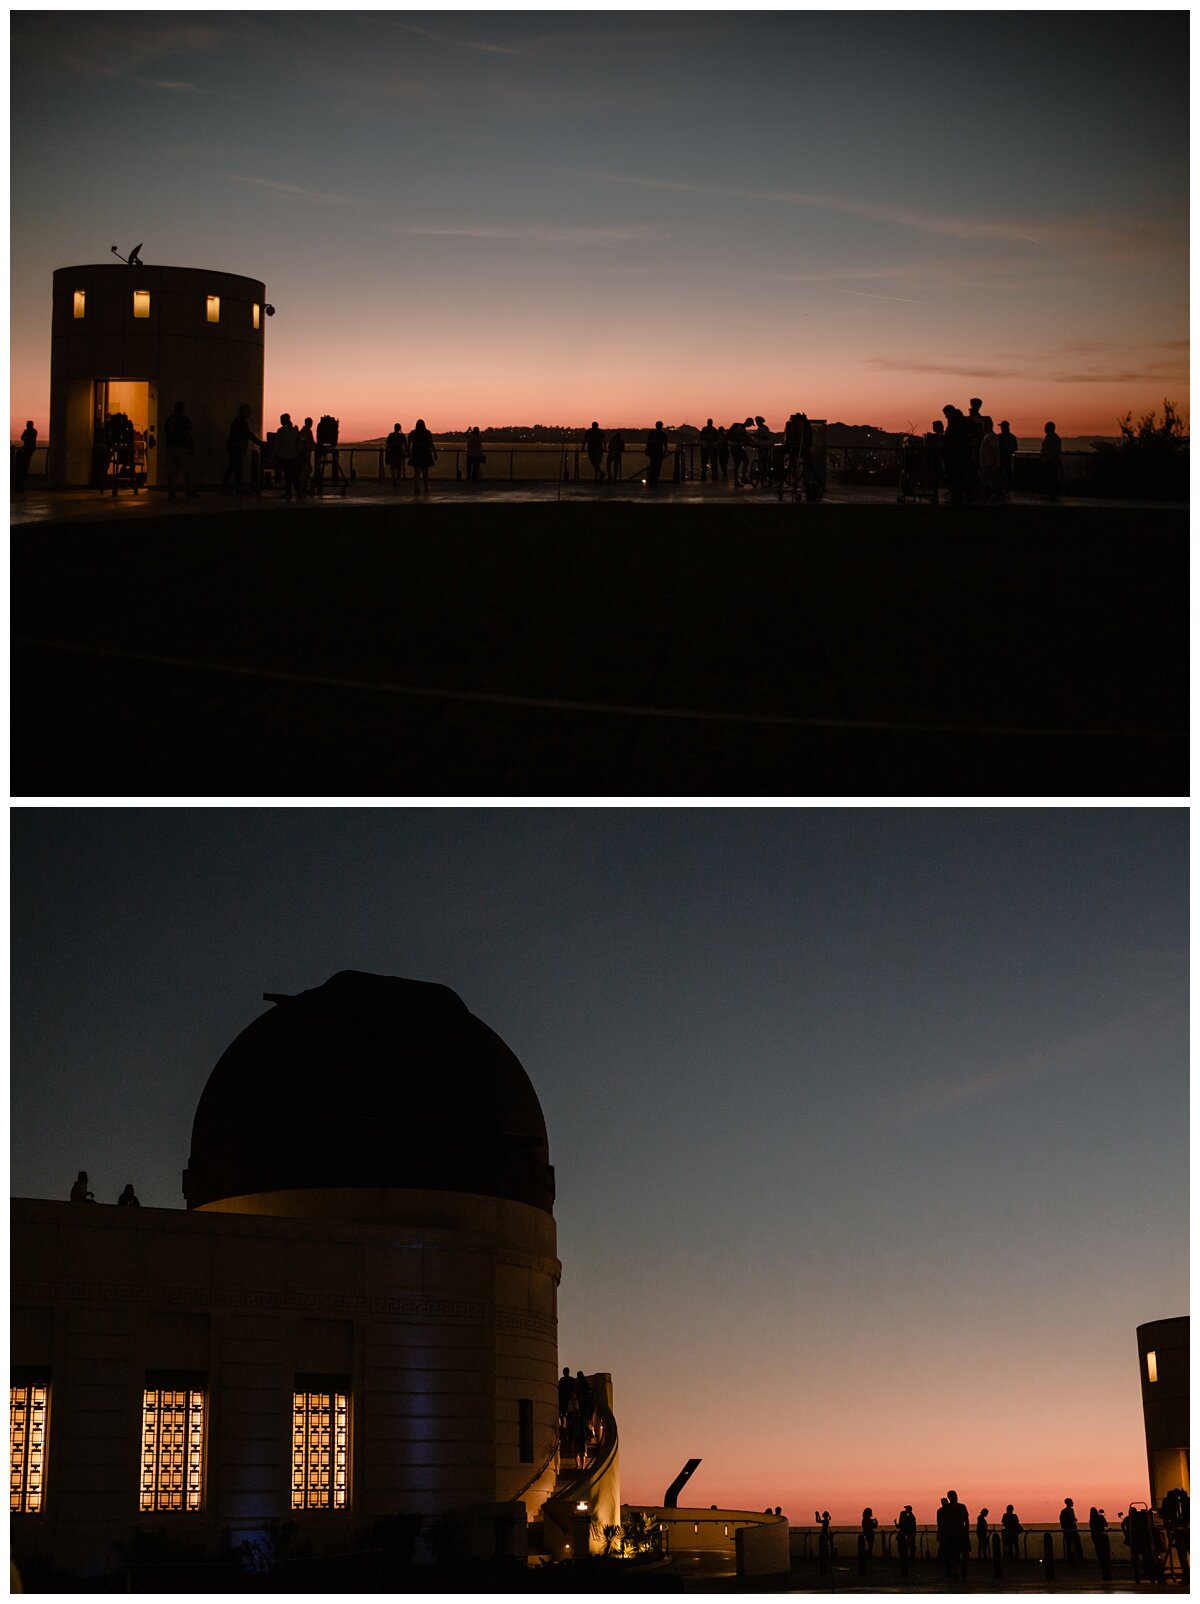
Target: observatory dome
369 1081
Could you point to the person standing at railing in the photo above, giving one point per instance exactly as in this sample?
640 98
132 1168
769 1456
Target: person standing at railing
1011 1527
708 451
1006 441
738 442
906 1527
288 451
869 1527
656 450
722 454
989 461
308 445
475 456
24 455
422 454
1072 1547
236 445
982 1533
393 454
1051 462
616 450
593 444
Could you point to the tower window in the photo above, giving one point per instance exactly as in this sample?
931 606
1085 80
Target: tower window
320 1444
213 303
80 302
255 310
525 1429
1152 1365
27 1402
172 1448
141 303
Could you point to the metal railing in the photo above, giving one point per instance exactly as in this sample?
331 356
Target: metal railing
845 1542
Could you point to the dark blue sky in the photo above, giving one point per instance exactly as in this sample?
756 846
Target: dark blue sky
825 1086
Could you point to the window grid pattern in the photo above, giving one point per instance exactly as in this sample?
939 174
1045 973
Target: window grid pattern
319 1450
27 1442
172 1448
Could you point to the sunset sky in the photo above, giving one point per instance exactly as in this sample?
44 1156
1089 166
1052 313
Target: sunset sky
870 1126
496 217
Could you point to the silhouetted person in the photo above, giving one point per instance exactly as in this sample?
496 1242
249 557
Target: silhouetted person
975 429
128 1198
593 444
778 1509
981 1533
708 451
723 453
287 450
956 454
393 453
739 442
1098 1527
1135 1528
1176 1512
957 1546
79 1192
474 454
1072 1547
1051 462
989 461
308 453
656 450
236 446
177 433
422 454
906 1531
25 454
824 1537
1011 1529
869 1527
616 450
1006 442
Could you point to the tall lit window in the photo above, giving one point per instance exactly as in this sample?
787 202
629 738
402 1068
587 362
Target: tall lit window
320 1444
27 1401
213 303
254 312
141 303
1152 1365
172 1447
80 302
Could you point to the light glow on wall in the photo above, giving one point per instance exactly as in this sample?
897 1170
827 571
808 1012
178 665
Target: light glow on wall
319 1450
172 1448
27 1446
141 303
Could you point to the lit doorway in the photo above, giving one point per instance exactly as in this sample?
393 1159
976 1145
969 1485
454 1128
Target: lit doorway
136 399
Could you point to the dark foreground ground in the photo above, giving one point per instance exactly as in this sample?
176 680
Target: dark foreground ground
529 649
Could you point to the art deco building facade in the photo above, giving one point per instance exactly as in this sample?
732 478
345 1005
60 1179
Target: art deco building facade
139 339
355 1316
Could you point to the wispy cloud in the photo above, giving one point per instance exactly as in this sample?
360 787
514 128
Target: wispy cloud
1069 231
323 197
458 44
540 233
1088 1052
887 364
867 295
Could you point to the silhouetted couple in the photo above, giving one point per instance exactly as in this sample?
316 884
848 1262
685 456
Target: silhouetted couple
576 1406
953 1534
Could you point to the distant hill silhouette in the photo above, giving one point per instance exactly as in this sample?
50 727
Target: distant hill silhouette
836 434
